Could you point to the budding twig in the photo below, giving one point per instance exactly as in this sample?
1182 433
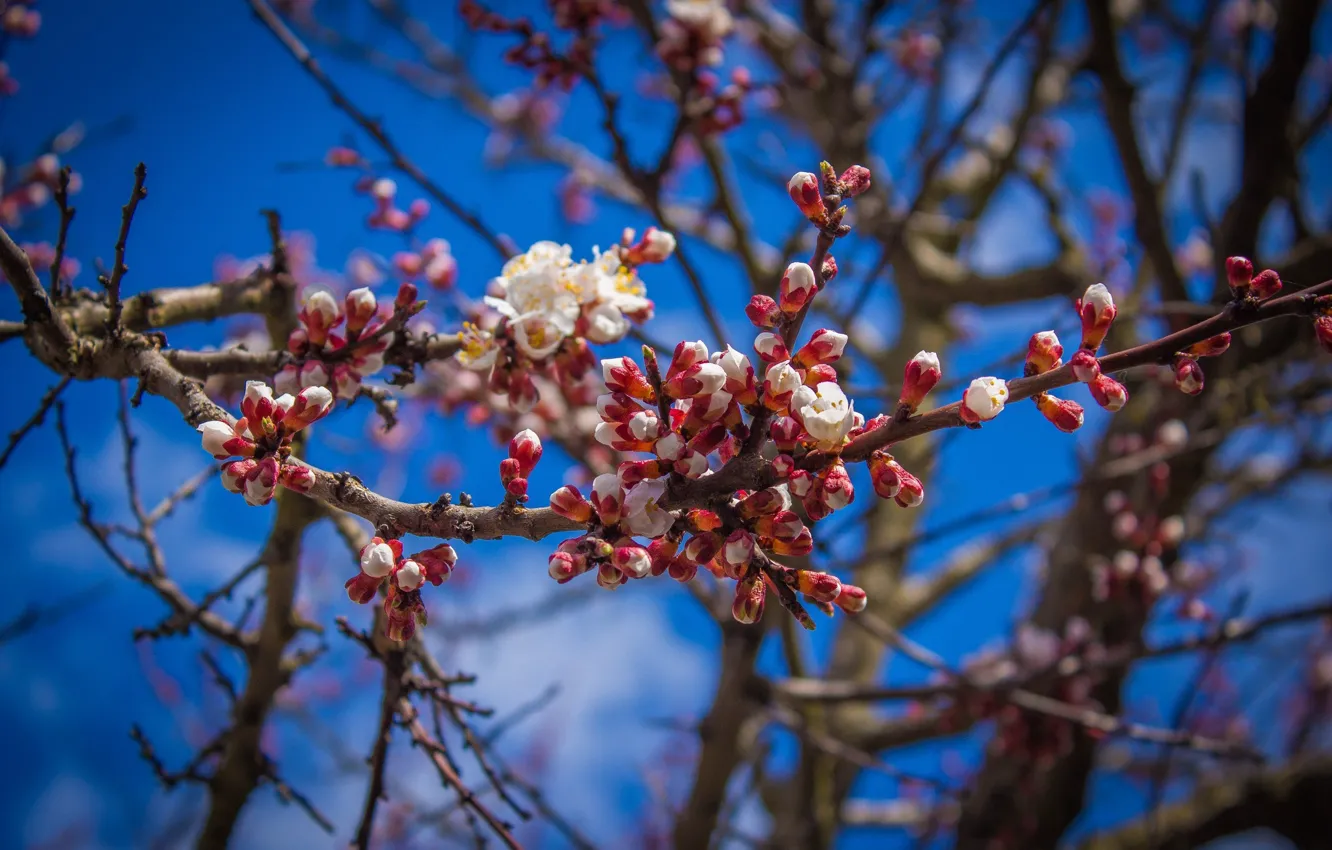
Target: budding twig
119 269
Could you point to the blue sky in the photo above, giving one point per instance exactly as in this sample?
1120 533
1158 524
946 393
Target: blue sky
208 100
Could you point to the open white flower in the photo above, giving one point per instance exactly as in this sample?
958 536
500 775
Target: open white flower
535 286
643 514
986 397
477 348
829 416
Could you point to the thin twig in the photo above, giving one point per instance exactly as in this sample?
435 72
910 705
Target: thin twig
44 406
119 269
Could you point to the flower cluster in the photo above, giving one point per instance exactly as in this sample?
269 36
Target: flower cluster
18 20
433 263
386 215
341 361
524 452
550 307
382 559
36 182
692 33
262 439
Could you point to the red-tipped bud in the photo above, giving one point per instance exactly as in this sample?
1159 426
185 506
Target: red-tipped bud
737 552
634 561
771 348
525 448
837 488
1063 414
1239 272
912 493
437 562
1266 284
563 566
1043 353
829 269
607 498
361 588
820 373
803 188
1323 332
405 301
750 593
854 181
785 433
763 312
922 373
1097 309
1188 375
296 477
764 502
1086 367
569 503
622 375
1109 393
821 587
1210 347
885 474
797 288
360 307
824 347
699 379
686 355
852 599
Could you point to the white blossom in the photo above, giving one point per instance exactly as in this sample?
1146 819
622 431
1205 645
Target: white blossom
829 416
643 514
986 397
377 560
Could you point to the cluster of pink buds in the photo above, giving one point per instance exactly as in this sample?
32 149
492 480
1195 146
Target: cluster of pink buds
262 439
1136 573
524 452
720 108
382 559
341 361
814 196
35 187
549 308
42 255
434 264
20 19
692 33
386 215
535 51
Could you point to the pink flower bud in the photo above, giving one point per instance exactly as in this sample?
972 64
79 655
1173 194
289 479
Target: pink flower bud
622 375
837 488
829 269
607 498
311 405
1097 309
1109 393
1188 375
738 551
383 189
379 556
409 575
820 587
563 566
1063 414
750 592
1266 284
1323 332
509 470
610 577
763 311
765 502
1210 347
686 354
361 588
1239 273
437 562
912 493
296 477
852 599
633 561
288 380
783 465
418 209
824 347
656 246
525 447
854 181
261 481
569 503
803 187
797 288
360 306
770 348
885 474
1086 368
233 474
702 548
405 301
697 380
320 314
785 433
922 373
221 441
1043 353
